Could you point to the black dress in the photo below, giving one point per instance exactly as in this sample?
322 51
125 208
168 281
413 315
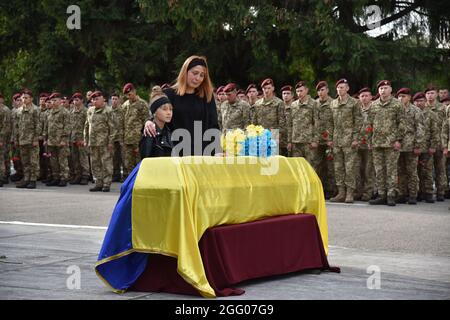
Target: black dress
190 108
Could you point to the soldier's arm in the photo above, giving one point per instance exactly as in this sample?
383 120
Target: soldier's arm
282 122
419 137
247 115
112 131
357 121
86 130
37 127
316 130
66 128
435 131
2 127
444 134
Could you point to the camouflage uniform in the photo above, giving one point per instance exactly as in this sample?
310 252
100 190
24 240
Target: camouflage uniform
134 116
270 114
431 140
57 132
235 115
408 179
322 159
439 159
301 128
15 150
283 148
79 152
44 162
118 155
27 129
219 114
347 121
98 134
5 132
365 172
386 120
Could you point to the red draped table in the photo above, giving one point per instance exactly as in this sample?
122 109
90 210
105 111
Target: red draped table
235 253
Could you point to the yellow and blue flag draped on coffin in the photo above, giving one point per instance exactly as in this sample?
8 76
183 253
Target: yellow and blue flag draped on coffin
175 200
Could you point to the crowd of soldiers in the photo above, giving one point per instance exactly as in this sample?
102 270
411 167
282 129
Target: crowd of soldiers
385 149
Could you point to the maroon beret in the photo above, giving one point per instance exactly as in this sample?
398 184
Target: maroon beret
403 91
266 82
445 99
419 95
251 86
229 87
365 89
127 88
286 88
300 84
383 83
77 95
96 94
341 81
430 88
44 95
321 84
27 91
16 96
219 89
55 95
240 91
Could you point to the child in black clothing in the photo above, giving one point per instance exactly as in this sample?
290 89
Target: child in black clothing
161 109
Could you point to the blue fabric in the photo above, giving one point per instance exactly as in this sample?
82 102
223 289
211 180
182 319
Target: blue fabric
121 273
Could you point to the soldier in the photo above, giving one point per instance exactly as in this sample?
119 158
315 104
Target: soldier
365 172
79 151
269 112
57 135
99 135
235 113
43 160
302 140
438 158
27 130
347 121
118 164
15 150
242 96
443 94
5 133
430 142
135 113
252 94
323 157
221 98
408 179
385 121
288 98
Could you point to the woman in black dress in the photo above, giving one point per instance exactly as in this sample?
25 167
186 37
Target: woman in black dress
193 104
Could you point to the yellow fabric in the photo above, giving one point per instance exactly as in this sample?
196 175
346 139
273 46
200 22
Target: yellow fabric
175 200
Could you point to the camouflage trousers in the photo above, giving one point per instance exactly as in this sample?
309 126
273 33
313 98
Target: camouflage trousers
303 150
425 172
2 162
365 172
102 166
17 161
131 158
324 168
118 160
440 173
44 162
6 160
29 155
80 161
385 162
344 166
408 179
59 162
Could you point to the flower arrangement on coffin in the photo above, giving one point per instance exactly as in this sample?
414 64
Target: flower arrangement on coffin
254 141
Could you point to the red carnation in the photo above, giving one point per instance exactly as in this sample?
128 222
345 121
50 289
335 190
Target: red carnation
330 157
363 141
369 129
325 134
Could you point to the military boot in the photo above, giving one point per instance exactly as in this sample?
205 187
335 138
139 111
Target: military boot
391 201
412 200
378 200
84 181
31 185
75 180
340 197
52 183
401 199
96 189
22 184
349 196
429 198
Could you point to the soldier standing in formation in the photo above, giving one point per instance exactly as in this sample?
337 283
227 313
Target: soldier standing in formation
99 137
15 150
5 132
57 134
235 113
79 152
118 163
288 98
252 93
347 121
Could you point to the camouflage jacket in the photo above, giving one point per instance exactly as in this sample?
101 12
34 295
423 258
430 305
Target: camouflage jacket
5 124
270 114
134 116
439 109
27 127
43 114
347 121
118 120
235 115
77 122
99 127
364 134
431 132
301 121
58 126
413 128
324 121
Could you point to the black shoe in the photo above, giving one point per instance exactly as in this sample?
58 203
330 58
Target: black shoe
447 194
84 181
106 189
96 189
62 183
22 185
16 177
391 201
378 200
440 197
429 198
75 180
401 199
412 200
52 183
31 185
